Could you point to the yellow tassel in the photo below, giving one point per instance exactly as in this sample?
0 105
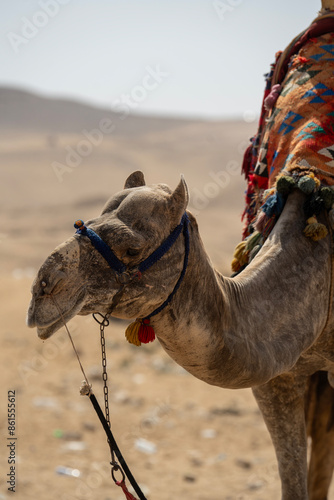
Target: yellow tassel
131 333
315 230
239 249
240 256
235 265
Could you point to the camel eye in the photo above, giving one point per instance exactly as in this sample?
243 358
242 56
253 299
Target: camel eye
132 252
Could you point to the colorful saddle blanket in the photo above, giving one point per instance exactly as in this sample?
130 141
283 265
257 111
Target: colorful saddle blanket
298 131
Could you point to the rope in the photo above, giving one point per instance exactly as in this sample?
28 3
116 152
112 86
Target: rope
117 451
70 337
100 246
185 264
114 449
164 247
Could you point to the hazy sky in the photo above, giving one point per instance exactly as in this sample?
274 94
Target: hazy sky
182 57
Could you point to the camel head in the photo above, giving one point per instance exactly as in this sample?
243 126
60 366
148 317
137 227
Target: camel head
76 278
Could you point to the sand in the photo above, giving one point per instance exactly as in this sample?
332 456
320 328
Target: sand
182 438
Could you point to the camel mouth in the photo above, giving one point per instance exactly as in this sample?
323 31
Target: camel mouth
45 332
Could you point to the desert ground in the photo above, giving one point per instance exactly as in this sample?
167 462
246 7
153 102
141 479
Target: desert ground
182 439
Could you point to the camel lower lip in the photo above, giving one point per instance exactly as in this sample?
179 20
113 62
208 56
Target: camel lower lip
46 332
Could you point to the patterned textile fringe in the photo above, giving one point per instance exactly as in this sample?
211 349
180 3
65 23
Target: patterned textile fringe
319 198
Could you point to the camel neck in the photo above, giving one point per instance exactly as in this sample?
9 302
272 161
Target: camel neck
244 331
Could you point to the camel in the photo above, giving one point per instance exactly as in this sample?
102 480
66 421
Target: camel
269 328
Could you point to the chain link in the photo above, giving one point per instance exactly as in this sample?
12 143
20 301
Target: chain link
103 324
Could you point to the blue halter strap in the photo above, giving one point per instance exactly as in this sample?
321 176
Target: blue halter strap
121 269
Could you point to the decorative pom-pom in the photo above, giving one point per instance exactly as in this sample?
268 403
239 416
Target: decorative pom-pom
146 332
271 99
327 196
252 241
274 205
285 185
240 253
267 193
313 205
79 224
240 256
306 184
315 230
131 333
235 265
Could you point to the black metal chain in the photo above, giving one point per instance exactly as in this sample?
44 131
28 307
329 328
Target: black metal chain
104 322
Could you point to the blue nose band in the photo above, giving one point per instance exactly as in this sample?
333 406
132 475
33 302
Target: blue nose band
123 274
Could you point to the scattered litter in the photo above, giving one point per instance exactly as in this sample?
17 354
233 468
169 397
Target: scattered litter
67 471
209 433
57 433
230 410
74 446
189 478
145 446
45 402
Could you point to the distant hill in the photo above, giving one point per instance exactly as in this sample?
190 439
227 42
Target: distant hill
22 110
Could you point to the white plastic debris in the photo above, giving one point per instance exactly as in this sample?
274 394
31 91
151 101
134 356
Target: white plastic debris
67 471
209 433
145 446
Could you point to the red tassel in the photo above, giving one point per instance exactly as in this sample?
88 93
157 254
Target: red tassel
146 332
126 492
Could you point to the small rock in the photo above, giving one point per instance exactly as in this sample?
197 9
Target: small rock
88 426
218 411
209 433
189 478
255 485
244 464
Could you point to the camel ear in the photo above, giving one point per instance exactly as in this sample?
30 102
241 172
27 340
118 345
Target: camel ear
136 179
179 200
